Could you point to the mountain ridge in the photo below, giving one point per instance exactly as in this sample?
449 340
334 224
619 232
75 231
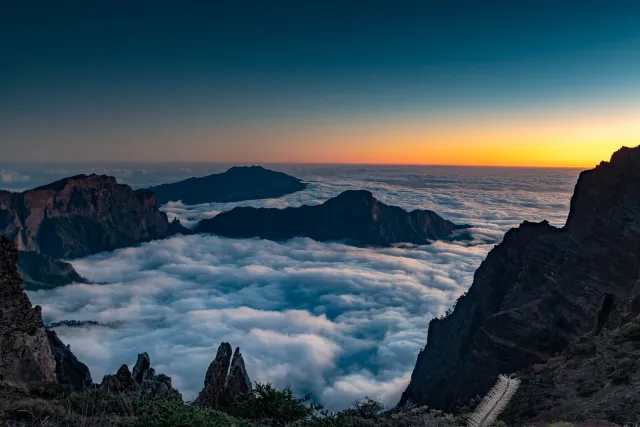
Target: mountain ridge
538 292
75 217
354 215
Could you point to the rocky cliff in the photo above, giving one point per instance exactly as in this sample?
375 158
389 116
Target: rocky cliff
537 295
28 351
24 348
236 184
80 216
356 216
76 217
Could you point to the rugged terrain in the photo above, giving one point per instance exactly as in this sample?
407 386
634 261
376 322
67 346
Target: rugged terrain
28 351
355 216
234 185
559 306
76 217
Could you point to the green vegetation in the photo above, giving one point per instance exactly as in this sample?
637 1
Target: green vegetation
279 407
561 424
49 405
179 414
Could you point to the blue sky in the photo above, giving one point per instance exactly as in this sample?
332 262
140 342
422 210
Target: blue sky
275 81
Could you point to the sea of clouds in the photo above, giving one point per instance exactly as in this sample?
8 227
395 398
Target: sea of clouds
338 321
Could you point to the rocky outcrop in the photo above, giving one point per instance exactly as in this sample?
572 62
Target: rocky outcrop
29 351
81 215
143 380
69 370
25 354
76 217
225 379
355 216
536 295
234 185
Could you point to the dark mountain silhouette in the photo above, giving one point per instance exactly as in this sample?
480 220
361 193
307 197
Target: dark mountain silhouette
561 306
234 185
356 216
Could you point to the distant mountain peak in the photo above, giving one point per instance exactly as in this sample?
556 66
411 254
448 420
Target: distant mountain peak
236 184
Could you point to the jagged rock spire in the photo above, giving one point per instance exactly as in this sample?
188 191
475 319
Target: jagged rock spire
143 380
238 381
225 379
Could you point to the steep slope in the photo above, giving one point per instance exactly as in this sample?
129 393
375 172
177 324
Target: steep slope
236 184
75 217
28 351
25 354
353 215
538 292
42 271
80 216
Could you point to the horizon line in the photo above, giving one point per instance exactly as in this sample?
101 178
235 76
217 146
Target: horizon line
251 163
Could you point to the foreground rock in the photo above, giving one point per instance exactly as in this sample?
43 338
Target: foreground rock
225 379
76 217
69 370
143 380
234 185
28 351
545 292
356 216
25 354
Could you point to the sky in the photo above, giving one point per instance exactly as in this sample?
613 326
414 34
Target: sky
497 82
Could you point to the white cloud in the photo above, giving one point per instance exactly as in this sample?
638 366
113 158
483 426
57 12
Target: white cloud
12 176
338 321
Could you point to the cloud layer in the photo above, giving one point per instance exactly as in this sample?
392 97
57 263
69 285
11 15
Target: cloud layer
326 318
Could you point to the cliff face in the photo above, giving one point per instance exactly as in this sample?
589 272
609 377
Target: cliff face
25 354
80 216
76 217
353 215
538 293
28 351
236 184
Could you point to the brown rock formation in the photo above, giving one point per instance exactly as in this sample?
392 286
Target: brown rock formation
225 379
25 354
76 217
80 216
540 292
356 216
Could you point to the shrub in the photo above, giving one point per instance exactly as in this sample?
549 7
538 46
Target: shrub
99 402
178 414
277 407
